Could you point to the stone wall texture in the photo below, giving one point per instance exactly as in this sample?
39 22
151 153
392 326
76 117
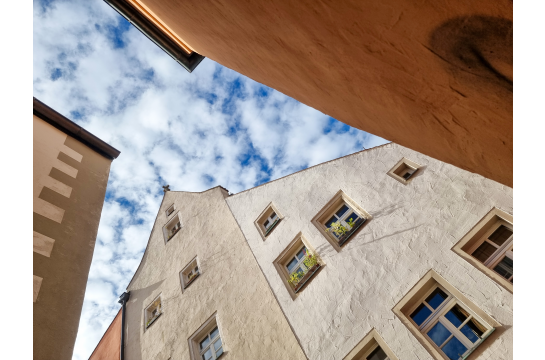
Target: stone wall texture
412 230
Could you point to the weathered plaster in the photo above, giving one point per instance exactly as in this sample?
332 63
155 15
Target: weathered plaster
413 230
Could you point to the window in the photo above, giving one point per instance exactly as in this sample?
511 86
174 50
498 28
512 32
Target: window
268 220
172 227
372 347
152 312
340 219
190 273
489 247
170 210
404 170
297 265
443 320
206 342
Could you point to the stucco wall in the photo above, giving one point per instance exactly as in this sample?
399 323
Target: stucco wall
109 346
434 76
413 229
250 321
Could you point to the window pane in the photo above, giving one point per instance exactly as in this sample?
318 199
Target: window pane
500 235
484 251
352 216
301 254
420 314
439 333
214 333
457 316
291 265
342 210
330 221
219 352
207 355
473 330
273 216
436 298
217 345
454 349
266 224
205 342
505 267
377 354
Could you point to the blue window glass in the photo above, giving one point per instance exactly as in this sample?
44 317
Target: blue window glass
454 349
420 314
205 342
473 330
291 265
330 221
301 254
341 211
439 333
457 316
436 298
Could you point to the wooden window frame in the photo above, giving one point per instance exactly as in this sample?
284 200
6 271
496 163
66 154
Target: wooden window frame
330 209
404 162
431 281
367 345
204 330
477 235
264 216
280 263
188 269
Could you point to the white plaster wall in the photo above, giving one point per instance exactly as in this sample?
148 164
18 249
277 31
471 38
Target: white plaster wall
251 322
412 231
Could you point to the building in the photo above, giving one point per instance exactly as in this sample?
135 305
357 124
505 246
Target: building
109 346
71 168
374 255
436 77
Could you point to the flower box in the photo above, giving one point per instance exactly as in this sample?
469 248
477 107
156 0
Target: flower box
306 277
352 231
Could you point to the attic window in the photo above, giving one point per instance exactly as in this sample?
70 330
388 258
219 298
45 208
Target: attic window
170 210
152 312
190 273
206 343
404 171
172 227
268 220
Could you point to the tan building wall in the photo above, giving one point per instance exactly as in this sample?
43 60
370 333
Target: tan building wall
230 285
68 193
109 346
412 230
436 77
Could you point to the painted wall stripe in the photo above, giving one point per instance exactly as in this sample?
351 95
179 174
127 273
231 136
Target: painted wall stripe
65 168
43 244
37 286
57 186
72 153
48 210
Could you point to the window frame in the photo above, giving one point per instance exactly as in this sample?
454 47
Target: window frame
330 209
173 207
412 300
393 172
264 216
467 245
367 345
167 227
184 273
203 351
201 333
148 322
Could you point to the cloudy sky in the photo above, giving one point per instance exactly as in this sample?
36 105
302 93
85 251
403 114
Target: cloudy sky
192 131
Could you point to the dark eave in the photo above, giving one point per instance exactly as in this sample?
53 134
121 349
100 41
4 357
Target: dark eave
148 28
69 127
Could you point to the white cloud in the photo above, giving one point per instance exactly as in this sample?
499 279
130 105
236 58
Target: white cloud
192 131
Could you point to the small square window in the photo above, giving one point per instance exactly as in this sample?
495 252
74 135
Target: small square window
268 220
297 265
443 320
372 347
206 343
404 170
170 210
340 219
489 247
172 227
190 273
152 312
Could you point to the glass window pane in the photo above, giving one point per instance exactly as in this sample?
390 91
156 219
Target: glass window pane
505 267
420 314
217 345
205 342
273 216
439 333
457 316
500 235
301 254
207 355
377 354
342 210
292 264
214 333
219 352
473 330
266 224
330 221
352 216
484 251
436 298
454 349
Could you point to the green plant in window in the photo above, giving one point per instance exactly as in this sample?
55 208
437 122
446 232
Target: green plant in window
310 261
339 229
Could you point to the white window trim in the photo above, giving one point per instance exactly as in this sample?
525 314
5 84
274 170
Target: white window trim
264 216
167 227
184 274
146 318
195 339
212 341
409 164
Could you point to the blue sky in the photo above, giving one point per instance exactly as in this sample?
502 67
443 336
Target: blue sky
192 131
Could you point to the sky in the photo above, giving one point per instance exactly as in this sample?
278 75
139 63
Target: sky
191 131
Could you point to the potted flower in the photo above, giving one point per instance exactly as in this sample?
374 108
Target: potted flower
344 233
311 265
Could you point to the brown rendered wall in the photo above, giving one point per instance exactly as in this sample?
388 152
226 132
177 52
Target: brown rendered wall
67 206
434 76
109 346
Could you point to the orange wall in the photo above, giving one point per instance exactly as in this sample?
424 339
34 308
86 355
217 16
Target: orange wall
434 76
109 346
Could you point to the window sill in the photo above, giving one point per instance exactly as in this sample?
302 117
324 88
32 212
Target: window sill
466 355
272 227
309 274
152 321
343 239
191 281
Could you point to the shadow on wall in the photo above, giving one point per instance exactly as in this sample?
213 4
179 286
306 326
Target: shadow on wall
135 322
478 50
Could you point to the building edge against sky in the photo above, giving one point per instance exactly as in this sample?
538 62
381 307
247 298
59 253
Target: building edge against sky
443 86
70 173
258 275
